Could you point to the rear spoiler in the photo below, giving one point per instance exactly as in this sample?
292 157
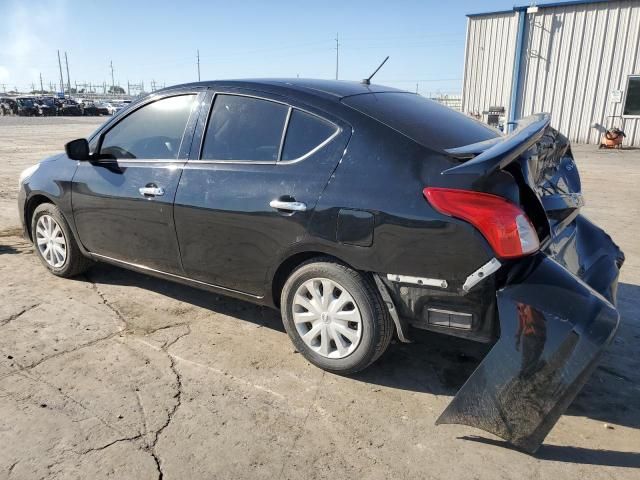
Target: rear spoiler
491 155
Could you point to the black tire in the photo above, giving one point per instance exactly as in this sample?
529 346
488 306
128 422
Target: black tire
75 262
377 325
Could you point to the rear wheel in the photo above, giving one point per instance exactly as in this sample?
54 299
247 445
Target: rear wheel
54 244
335 317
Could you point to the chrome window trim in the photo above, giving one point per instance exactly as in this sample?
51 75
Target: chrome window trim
314 150
199 160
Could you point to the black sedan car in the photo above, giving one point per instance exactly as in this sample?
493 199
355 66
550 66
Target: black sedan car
361 212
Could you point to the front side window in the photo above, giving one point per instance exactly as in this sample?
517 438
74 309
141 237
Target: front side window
152 132
305 132
244 129
632 100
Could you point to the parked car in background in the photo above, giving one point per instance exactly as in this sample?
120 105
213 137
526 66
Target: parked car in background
105 108
360 212
69 107
89 109
47 106
8 106
26 107
120 106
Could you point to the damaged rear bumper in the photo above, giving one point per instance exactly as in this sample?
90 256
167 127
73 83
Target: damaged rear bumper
556 315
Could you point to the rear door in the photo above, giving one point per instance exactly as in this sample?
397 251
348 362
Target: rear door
122 204
251 192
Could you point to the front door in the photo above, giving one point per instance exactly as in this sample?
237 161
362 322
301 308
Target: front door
251 192
123 201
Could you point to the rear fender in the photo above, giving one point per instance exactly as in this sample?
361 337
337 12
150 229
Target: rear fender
554 328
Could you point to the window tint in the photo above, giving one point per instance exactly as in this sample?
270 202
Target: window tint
424 121
151 132
632 101
305 133
244 128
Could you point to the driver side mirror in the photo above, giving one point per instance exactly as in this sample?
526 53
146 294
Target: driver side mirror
78 149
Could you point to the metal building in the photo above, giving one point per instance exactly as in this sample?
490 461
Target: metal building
578 60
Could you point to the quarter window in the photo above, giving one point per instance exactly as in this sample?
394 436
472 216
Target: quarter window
632 101
151 132
305 133
244 129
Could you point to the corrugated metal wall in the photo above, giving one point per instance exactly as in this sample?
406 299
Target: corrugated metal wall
573 56
490 52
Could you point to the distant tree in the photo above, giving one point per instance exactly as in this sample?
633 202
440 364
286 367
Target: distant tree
116 89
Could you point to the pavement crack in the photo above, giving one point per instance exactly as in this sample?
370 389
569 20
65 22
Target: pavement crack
178 398
70 398
59 354
106 302
15 316
118 440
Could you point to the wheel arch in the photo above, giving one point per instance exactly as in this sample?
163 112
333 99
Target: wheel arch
30 205
289 264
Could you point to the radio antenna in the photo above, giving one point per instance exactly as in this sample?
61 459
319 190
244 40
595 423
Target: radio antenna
367 81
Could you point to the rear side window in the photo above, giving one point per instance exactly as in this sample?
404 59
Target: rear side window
244 128
151 132
305 133
427 122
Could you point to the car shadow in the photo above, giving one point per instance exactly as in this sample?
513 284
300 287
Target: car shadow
439 364
8 249
567 454
243 310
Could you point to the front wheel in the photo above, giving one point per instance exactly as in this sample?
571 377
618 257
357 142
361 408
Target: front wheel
335 317
54 243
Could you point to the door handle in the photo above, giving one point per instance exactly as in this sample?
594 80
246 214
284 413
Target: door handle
288 206
151 191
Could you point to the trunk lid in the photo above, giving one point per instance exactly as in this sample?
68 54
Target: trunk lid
540 159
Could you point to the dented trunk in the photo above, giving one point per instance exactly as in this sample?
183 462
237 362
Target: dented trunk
556 308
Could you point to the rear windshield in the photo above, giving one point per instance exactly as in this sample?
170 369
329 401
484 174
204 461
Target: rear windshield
425 121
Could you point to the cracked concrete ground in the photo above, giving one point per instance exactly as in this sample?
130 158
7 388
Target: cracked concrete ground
118 375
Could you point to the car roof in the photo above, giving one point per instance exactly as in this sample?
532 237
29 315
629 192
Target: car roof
328 89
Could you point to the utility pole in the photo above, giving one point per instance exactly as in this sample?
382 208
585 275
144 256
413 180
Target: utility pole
128 88
416 88
198 57
33 87
4 87
68 80
113 82
41 87
61 77
337 53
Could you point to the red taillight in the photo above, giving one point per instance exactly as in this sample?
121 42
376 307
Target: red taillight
505 226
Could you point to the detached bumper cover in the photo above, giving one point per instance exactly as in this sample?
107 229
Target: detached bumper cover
554 327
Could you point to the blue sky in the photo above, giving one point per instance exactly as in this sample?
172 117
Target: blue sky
158 40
